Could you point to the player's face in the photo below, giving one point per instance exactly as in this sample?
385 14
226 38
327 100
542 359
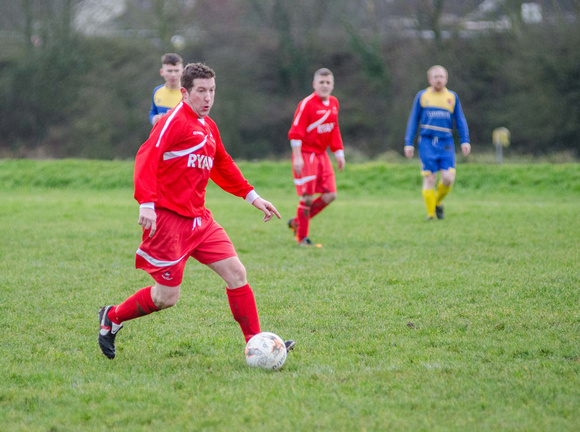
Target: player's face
323 86
438 79
172 75
200 98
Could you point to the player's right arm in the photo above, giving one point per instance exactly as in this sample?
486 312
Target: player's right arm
145 175
148 219
145 179
297 161
412 125
297 133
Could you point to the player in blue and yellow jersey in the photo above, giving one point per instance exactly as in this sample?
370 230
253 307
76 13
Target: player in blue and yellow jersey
168 95
434 111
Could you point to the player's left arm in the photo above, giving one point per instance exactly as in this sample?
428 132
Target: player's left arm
336 144
340 160
462 128
153 112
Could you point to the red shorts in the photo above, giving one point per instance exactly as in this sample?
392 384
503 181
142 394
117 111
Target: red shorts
317 175
177 238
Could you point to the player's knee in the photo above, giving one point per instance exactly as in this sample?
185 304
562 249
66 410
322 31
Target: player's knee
236 275
165 297
167 303
448 179
239 274
429 181
328 197
307 199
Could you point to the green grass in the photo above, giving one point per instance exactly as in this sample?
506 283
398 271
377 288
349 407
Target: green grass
471 323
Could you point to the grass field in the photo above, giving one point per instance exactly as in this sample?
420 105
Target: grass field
466 324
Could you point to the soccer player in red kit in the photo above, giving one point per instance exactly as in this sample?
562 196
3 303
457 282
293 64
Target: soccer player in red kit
172 169
314 129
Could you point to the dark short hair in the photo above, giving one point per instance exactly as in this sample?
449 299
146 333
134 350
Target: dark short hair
171 59
193 71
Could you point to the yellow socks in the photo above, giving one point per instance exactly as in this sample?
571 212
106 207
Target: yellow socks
442 191
433 199
429 195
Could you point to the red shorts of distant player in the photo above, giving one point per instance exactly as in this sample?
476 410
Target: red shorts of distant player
177 238
317 175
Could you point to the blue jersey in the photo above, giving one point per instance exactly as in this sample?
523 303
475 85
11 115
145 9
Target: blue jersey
433 113
163 100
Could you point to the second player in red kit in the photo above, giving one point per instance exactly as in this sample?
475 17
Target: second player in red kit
314 130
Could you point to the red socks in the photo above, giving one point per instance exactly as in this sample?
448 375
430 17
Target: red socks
137 305
302 218
317 206
241 301
244 310
305 213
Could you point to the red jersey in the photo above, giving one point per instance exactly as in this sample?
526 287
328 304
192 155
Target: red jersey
316 125
173 166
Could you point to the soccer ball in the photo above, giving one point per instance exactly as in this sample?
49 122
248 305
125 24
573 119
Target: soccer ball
266 350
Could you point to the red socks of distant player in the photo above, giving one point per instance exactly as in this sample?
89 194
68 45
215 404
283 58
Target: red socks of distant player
137 305
317 205
244 310
302 219
305 213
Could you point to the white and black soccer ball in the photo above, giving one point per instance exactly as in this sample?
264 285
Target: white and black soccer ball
266 350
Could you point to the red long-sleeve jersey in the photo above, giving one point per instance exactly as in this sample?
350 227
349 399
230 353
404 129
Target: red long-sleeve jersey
316 125
173 166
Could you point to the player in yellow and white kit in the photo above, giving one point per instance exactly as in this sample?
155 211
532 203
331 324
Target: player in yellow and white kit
168 95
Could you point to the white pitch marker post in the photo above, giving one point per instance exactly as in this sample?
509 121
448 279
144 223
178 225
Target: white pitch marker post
501 138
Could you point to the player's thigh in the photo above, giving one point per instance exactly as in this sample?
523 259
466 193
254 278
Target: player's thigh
305 183
165 296
447 161
428 156
326 181
231 270
429 165
214 246
164 255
